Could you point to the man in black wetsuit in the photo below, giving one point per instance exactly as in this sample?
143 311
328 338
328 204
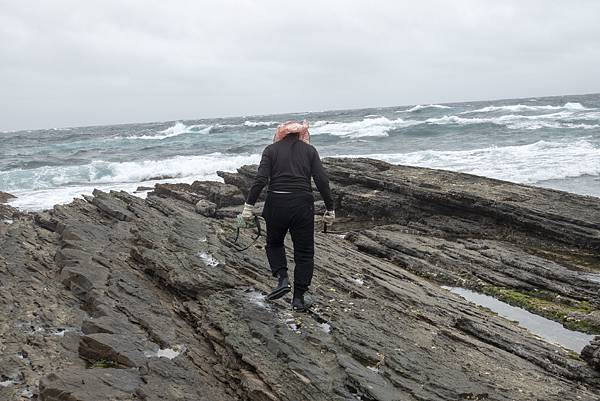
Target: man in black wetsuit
287 166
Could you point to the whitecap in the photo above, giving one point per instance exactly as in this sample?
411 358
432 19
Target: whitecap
44 187
528 164
178 129
260 123
517 121
523 107
379 126
420 107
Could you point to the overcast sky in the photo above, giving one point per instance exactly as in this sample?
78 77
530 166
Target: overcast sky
68 63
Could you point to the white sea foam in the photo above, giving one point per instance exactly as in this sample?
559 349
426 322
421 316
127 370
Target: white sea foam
523 107
379 126
43 187
517 121
420 107
260 123
531 163
178 129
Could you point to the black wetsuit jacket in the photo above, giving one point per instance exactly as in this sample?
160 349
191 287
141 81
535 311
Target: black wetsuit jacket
287 166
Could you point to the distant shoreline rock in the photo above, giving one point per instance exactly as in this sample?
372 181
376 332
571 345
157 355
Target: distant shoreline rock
5 197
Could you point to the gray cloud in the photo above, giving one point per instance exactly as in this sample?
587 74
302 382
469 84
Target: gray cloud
70 63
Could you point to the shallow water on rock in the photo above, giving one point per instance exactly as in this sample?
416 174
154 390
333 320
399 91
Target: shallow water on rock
595 277
546 329
208 259
169 353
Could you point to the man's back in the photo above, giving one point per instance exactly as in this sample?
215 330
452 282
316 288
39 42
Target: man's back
287 166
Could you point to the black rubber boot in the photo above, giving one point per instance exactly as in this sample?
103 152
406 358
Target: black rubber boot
301 303
283 287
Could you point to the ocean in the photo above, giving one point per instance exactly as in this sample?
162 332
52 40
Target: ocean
551 142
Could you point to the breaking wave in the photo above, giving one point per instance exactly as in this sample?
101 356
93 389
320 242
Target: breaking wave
260 123
420 107
531 163
516 121
104 172
379 126
176 130
523 107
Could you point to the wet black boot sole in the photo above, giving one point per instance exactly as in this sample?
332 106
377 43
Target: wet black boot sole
303 306
278 293
302 309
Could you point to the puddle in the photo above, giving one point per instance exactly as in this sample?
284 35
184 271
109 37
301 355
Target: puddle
169 353
257 298
326 327
208 259
595 277
291 322
546 329
61 333
8 221
358 281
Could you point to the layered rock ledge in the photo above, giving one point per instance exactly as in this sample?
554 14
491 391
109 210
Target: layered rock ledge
114 297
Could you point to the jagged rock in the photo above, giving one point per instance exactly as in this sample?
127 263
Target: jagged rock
591 353
222 195
121 349
152 275
91 385
5 197
177 191
110 206
82 279
206 208
7 212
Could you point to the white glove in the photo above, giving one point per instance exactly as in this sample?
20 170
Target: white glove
248 212
329 217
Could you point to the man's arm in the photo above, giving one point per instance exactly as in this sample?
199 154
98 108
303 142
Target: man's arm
261 179
321 180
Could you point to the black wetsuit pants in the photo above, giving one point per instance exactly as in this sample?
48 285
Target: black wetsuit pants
293 212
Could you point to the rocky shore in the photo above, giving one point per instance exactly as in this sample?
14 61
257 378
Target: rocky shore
114 297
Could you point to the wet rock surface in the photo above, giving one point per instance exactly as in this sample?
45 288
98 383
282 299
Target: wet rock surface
531 247
5 197
117 297
591 353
